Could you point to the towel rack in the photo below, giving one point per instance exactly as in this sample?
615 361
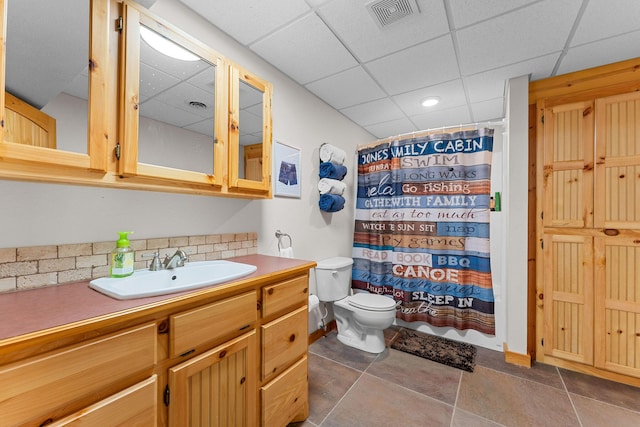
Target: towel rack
280 235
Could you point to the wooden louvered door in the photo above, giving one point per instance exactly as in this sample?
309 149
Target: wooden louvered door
591 237
567 221
617 241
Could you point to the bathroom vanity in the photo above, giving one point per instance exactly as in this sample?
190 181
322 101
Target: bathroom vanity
232 354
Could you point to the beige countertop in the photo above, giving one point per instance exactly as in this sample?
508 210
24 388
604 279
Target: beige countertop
32 311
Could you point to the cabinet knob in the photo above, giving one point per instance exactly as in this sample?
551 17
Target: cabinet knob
292 338
270 291
223 353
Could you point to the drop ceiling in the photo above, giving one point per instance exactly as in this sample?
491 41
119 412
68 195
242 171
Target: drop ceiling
462 51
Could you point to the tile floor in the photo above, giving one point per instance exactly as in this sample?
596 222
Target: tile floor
351 388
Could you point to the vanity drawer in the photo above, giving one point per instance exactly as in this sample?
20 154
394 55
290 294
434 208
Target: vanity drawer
280 296
202 325
46 385
134 406
286 396
283 341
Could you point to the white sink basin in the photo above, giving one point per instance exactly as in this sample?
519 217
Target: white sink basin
194 275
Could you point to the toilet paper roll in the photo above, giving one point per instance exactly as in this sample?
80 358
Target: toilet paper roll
314 303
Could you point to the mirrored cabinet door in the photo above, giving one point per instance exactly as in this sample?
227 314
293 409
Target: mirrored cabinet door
54 84
249 133
173 103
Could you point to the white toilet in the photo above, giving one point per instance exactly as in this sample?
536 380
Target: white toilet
361 317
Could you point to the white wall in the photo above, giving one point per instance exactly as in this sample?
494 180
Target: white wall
515 205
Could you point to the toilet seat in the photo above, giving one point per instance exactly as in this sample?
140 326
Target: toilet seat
371 302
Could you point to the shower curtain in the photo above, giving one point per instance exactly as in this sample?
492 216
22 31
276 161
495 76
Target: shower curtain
422 227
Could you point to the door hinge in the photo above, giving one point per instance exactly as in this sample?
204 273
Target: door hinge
542 244
117 150
167 395
542 215
119 24
542 342
542 119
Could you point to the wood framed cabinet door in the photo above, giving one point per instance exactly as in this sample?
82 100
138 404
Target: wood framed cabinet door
216 388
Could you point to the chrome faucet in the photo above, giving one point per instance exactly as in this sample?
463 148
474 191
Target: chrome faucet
176 260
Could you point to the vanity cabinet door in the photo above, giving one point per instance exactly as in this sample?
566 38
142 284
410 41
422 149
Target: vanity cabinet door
216 388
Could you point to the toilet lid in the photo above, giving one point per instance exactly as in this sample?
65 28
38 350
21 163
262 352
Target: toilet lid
372 302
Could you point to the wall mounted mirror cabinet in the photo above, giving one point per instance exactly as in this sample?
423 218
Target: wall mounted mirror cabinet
92 96
53 89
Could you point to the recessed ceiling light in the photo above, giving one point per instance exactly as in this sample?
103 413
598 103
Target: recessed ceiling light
166 46
431 101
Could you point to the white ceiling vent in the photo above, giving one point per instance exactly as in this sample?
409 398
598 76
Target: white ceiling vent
386 12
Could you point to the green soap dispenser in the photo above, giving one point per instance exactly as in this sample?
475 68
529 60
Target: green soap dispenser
122 257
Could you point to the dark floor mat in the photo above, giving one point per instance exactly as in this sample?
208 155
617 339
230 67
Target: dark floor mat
442 350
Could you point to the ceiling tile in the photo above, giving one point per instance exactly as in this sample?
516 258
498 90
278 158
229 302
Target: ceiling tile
167 113
601 52
381 110
536 30
204 127
305 50
392 127
488 110
356 27
424 65
443 118
247 20
467 12
451 95
154 81
604 18
491 84
347 88
182 95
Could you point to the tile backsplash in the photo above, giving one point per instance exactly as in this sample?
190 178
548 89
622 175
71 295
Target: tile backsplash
38 266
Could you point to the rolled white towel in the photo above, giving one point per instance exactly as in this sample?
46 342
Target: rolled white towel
331 186
330 153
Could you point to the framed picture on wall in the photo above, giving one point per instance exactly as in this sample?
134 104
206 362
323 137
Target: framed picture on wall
286 170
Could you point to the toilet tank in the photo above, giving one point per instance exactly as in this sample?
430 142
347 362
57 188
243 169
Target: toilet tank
333 278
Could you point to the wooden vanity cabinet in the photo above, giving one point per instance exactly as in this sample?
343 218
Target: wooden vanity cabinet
229 356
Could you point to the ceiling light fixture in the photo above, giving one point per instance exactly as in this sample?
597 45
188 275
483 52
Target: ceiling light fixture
166 46
431 101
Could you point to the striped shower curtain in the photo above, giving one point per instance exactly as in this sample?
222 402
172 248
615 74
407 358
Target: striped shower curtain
422 227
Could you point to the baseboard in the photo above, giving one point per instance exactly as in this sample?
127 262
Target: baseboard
516 358
315 336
